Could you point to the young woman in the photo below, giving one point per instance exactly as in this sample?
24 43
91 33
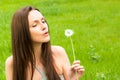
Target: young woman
33 57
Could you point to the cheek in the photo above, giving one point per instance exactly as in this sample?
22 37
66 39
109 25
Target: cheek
35 35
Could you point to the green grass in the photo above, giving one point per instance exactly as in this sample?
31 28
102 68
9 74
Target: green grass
96 24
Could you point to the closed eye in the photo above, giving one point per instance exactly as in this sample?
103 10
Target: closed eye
34 25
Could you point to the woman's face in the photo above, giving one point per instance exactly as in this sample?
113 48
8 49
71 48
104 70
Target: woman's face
38 27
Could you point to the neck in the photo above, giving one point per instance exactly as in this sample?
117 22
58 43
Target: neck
37 52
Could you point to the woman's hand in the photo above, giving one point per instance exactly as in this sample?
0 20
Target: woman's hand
76 70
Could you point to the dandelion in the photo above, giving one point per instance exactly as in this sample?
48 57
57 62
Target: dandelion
69 33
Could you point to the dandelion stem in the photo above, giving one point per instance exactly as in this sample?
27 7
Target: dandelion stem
73 55
72 48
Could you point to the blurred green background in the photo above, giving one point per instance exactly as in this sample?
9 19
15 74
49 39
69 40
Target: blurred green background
96 26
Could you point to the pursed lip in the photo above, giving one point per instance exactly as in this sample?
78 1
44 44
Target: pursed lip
45 33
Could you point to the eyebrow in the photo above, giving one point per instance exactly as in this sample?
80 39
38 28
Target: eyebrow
35 21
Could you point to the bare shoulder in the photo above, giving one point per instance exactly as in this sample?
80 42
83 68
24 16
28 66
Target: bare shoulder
60 53
58 50
9 61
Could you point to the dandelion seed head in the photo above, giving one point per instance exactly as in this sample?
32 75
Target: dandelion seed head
68 32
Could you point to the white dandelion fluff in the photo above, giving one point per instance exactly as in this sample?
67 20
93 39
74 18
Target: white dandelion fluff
68 32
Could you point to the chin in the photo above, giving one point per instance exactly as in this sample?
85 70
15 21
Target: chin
47 40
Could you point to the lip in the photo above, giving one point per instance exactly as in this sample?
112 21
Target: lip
46 33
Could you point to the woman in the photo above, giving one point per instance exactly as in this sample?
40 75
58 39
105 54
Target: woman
33 58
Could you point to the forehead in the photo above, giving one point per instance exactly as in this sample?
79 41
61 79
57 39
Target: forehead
34 15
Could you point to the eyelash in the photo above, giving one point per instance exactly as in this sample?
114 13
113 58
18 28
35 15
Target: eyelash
43 21
34 25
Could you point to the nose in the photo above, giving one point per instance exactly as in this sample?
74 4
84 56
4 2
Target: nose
43 27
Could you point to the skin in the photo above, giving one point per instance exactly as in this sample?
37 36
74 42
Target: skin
39 34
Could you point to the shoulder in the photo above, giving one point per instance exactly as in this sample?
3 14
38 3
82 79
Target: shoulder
60 53
58 50
9 68
9 61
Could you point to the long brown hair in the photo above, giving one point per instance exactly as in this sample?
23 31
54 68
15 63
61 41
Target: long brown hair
22 48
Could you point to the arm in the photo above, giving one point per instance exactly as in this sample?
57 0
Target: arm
66 65
9 68
62 61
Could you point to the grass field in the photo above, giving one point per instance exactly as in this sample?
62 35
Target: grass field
96 26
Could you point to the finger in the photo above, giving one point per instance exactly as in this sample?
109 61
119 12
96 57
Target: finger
75 65
76 62
81 70
78 68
